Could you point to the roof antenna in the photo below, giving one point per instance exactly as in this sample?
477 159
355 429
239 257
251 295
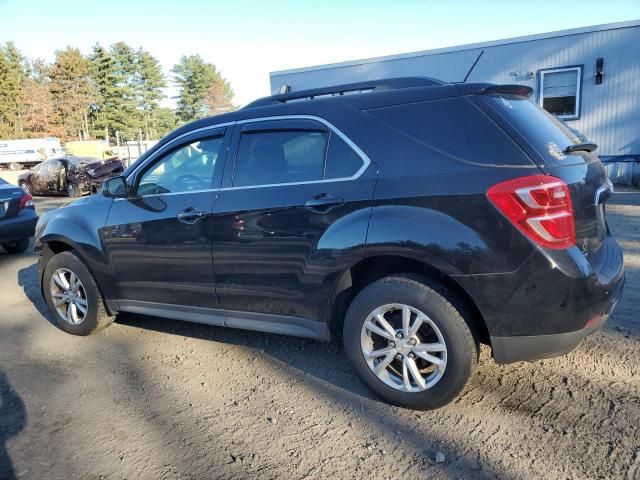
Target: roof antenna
472 67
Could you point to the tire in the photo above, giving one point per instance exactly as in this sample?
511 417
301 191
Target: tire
15 166
17 246
73 191
96 316
443 323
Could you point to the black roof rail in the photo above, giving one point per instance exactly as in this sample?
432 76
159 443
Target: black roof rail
337 90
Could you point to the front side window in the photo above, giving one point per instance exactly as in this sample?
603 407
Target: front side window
188 168
560 92
280 156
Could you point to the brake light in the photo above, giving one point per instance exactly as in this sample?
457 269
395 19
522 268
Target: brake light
26 201
540 206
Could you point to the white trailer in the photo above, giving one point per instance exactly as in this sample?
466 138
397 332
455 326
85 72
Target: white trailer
17 154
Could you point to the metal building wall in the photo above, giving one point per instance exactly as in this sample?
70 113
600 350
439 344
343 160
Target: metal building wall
610 112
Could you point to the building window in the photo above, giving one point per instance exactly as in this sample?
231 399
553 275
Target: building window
560 92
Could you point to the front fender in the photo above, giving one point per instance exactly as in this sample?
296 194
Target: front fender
77 225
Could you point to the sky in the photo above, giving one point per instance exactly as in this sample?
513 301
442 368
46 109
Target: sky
247 39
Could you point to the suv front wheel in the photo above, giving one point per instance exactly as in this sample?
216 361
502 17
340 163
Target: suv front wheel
409 342
73 296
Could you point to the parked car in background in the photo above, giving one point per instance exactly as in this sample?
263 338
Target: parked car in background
17 218
414 218
71 176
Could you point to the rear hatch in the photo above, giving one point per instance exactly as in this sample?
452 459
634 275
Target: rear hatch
546 140
10 196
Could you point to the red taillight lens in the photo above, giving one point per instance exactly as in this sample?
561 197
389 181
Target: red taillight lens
26 201
540 206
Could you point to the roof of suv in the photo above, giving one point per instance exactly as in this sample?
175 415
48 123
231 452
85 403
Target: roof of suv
389 91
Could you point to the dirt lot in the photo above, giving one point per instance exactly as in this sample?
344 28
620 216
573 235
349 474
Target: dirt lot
153 398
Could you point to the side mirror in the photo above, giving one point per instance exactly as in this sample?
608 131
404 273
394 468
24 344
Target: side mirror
115 187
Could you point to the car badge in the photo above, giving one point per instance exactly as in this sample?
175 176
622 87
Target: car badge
555 151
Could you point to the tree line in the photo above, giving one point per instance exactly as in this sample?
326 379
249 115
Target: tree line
115 89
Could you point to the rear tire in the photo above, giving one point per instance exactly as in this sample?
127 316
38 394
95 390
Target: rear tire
73 191
443 336
15 166
60 295
17 246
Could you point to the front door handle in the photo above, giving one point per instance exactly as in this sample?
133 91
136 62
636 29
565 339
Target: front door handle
191 215
323 203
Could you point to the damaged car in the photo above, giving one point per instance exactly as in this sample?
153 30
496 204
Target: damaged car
71 176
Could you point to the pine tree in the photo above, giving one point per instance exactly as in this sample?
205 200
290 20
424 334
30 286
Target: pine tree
12 79
165 121
72 92
150 82
104 78
126 117
202 89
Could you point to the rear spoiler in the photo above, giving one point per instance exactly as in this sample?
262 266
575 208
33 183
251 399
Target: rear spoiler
492 89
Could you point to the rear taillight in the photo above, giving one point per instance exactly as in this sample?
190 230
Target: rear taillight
26 201
540 206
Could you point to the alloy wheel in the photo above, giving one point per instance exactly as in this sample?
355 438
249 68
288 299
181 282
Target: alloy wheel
403 347
69 296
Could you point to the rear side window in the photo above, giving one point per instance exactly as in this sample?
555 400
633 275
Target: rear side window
280 156
456 127
546 134
286 154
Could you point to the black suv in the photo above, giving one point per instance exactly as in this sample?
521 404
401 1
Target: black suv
415 218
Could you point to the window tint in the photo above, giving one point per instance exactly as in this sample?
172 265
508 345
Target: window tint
542 130
342 161
279 156
453 126
187 168
560 90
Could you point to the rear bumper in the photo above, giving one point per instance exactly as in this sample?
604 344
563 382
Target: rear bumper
21 226
515 349
553 301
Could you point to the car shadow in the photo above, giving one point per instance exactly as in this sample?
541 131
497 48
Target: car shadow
310 356
325 361
30 283
13 419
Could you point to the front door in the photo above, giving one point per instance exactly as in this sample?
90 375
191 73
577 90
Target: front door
294 215
158 241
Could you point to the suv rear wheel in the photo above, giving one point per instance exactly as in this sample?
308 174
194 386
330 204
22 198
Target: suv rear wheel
409 342
73 296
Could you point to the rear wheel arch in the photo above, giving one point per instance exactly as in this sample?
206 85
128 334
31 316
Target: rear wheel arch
355 278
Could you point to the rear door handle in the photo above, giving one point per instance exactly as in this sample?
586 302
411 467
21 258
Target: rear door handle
191 215
323 202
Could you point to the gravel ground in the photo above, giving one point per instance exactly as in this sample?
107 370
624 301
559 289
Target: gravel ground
153 398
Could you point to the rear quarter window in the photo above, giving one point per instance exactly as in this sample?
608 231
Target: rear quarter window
545 133
455 127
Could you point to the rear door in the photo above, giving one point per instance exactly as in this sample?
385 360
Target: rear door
546 139
292 213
